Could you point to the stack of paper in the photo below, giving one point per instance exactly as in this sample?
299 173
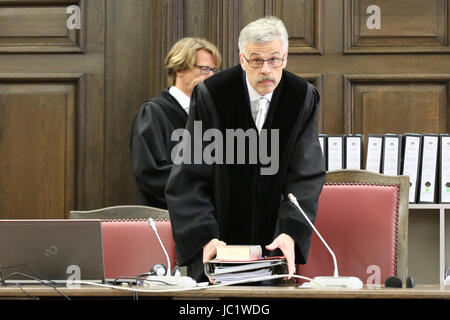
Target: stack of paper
229 271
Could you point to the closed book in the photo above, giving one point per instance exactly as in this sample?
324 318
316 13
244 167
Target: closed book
239 253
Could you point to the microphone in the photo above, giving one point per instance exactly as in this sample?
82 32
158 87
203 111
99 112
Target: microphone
334 281
180 281
153 226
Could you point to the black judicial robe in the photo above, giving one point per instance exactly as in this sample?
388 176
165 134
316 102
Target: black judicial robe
234 202
151 146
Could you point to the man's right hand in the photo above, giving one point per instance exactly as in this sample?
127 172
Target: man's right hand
209 251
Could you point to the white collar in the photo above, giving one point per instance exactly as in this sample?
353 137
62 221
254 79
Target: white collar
253 95
181 97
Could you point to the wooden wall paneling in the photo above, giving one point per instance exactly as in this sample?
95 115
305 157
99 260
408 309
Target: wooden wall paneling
37 142
64 94
91 134
223 27
195 18
165 28
333 104
90 164
126 88
406 26
42 27
303 20
316 81
397 103
254 9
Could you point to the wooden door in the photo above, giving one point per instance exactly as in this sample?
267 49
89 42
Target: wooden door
51 107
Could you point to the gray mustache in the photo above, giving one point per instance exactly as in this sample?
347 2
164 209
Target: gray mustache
264 78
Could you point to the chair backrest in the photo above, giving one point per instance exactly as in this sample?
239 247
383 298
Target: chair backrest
363 217
121 212
131 247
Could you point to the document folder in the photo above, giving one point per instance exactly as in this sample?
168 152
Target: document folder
335 153
444 166
353 152
374 152
392 154
428 175
411 158
229 271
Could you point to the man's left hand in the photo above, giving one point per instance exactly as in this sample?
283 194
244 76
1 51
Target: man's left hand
287 245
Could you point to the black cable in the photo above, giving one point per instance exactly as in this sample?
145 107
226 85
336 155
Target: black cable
49 284
141 278
28 266
24 291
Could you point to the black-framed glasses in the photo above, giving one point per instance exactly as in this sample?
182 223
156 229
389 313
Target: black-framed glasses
258 63
205 69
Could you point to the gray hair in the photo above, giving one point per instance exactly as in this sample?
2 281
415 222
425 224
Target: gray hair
263 30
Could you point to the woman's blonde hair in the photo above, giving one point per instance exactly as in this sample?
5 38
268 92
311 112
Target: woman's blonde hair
183 54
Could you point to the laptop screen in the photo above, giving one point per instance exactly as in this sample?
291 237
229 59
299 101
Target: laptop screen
32 251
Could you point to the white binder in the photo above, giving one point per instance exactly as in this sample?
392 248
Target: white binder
353 152
429 167
444 157
412 147
323 146
392 155
374 150
335 153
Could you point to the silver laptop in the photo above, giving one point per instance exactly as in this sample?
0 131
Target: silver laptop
33 251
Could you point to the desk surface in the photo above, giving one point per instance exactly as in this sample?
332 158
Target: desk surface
236 292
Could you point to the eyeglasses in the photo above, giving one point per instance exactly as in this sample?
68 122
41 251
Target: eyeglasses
258 63
205 69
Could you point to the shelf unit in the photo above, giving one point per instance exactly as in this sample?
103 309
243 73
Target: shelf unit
442 208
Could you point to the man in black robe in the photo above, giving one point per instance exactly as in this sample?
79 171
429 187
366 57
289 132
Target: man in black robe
211 205
188 62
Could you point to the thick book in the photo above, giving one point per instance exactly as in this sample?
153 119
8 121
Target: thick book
239 253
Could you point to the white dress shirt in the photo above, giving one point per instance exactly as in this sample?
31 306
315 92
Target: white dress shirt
255 104
181 97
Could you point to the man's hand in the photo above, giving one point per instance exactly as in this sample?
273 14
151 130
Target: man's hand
287 246
209 251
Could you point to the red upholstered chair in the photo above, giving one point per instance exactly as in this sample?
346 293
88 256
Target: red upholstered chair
363 217
130 247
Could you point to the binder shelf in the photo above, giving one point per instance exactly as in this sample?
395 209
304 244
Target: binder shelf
442 208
